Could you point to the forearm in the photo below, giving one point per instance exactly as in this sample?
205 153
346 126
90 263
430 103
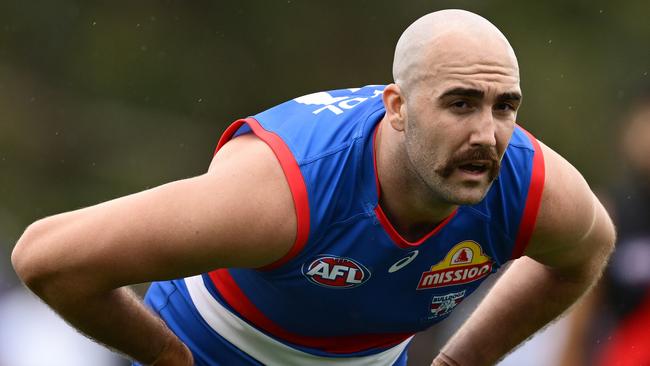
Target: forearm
527 297
573 351
119 320
84 296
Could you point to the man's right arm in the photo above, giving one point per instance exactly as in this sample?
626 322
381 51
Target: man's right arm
239 214
569 248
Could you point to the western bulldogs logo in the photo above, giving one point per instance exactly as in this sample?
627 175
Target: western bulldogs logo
443 305
335 272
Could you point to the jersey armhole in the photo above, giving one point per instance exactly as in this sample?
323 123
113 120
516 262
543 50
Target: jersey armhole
294 178
533 199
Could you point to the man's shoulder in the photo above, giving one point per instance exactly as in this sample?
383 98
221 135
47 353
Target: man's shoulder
567 200
331 105
569 212
320 123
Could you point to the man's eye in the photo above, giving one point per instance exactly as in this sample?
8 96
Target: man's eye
504 107
460 104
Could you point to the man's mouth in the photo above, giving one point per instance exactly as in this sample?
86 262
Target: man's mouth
475 167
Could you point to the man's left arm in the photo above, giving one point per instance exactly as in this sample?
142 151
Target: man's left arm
569 248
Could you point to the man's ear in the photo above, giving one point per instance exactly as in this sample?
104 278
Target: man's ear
395 106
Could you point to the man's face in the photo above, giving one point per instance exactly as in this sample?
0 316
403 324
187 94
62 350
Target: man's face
460 117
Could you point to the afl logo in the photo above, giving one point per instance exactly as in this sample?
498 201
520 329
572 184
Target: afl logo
335 272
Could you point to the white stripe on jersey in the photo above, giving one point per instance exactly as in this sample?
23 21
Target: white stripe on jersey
264 348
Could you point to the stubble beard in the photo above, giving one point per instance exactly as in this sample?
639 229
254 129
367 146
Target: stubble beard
436 177
460 194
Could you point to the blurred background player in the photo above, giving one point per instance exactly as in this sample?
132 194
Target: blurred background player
612 325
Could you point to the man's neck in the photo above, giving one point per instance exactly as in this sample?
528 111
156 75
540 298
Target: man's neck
407 201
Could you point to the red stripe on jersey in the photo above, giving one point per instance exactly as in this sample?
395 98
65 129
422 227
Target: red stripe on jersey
237 300
533 200
294 177
398 239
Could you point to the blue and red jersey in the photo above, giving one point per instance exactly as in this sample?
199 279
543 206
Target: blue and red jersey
351 290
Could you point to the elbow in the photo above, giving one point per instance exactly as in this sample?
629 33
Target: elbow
50 267
30 259
603 252
611 240
608 235
603 235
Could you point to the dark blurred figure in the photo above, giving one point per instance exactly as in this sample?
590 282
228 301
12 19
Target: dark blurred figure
612 325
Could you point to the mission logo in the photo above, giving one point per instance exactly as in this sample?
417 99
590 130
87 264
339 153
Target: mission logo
335 272
464 263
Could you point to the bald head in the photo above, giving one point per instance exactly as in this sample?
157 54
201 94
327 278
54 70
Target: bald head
448 36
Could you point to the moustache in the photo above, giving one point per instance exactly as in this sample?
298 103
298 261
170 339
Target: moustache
467 156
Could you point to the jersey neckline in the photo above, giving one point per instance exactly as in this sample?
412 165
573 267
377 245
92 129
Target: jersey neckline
388 227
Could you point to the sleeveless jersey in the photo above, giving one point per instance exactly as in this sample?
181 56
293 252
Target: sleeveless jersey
351 291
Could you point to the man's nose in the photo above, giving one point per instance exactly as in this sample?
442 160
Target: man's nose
483 131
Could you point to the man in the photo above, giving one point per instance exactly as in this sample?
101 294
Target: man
340 224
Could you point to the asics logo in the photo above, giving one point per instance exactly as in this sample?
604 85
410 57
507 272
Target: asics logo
403 262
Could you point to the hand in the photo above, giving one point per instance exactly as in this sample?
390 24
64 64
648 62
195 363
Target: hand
175 354
444 360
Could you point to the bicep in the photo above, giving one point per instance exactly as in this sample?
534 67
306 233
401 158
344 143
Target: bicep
573 230
239 214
